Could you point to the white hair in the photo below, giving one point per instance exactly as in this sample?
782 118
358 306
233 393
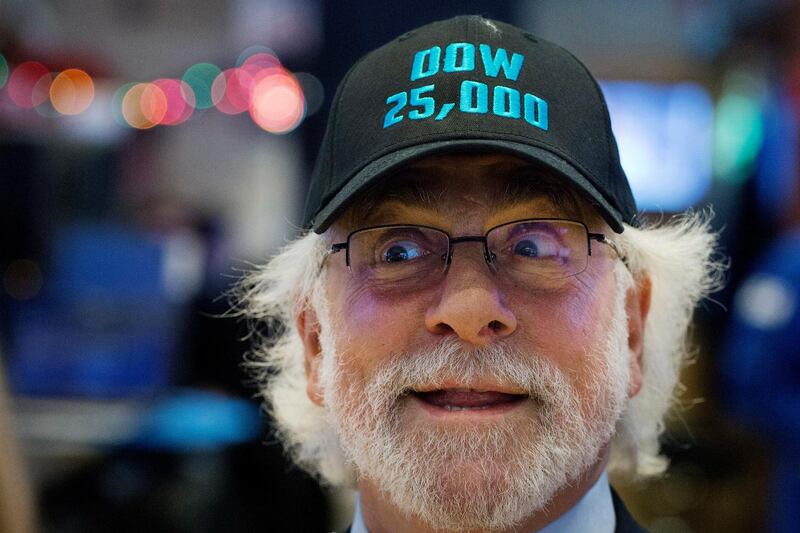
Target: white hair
678 256
477 477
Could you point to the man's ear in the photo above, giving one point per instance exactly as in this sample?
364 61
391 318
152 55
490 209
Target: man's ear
637 306
308 328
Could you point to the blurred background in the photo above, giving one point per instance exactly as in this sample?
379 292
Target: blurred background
152 150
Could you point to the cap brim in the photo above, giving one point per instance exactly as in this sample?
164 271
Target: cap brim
376 169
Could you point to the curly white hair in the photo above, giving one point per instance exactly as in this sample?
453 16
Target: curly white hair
678 255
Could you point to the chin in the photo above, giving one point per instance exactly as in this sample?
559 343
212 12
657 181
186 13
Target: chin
473 478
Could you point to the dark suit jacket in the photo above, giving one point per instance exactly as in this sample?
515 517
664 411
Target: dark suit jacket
625 522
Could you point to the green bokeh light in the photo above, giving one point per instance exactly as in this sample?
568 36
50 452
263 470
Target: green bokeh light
739 133
3 71
116 104
200 78
739 124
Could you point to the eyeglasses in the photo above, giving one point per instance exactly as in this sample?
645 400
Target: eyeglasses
537 253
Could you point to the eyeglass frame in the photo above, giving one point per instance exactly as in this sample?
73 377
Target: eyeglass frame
487 255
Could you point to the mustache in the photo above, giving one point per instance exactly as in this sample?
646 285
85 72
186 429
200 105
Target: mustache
449 363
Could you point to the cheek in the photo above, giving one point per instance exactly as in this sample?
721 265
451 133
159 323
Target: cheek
372 327
563 325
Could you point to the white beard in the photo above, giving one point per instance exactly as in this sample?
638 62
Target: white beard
454 477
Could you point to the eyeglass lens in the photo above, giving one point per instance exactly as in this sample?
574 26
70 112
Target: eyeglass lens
533 252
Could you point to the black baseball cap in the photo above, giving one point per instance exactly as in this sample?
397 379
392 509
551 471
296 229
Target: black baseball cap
468 84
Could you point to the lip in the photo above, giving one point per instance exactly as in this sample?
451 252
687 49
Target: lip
460 386
468 414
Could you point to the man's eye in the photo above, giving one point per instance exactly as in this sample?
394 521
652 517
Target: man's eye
533 246
402 251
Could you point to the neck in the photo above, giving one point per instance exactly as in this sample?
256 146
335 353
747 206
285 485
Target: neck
382 516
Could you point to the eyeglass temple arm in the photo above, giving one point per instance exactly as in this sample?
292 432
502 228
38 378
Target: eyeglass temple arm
600 237
337 247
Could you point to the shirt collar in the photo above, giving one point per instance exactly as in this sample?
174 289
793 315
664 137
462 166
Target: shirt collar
358 520
594 513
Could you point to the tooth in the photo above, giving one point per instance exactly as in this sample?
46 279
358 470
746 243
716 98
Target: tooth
459 408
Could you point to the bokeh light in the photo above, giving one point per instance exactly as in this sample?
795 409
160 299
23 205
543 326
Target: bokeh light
133 108
277 105
22 279
116 104
40 93
153 103
232 90
180 101
72 92
166 102
739 125
3 71
313 92
277 99
200 78
41 97
22 82
262 60
258 55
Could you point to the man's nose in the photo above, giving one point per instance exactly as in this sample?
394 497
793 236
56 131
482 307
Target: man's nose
471 304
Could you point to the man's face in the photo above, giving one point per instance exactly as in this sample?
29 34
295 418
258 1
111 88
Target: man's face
470 402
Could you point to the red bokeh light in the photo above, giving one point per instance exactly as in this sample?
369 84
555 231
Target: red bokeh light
233 89
179 101
261 60
24 80
277 104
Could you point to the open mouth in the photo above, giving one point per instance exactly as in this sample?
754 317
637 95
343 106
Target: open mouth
466 399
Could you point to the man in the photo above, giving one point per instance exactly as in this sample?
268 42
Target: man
476 329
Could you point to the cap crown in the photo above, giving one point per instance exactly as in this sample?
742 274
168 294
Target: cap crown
467 78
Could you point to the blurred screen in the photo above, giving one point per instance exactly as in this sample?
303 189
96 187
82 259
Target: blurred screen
665 137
